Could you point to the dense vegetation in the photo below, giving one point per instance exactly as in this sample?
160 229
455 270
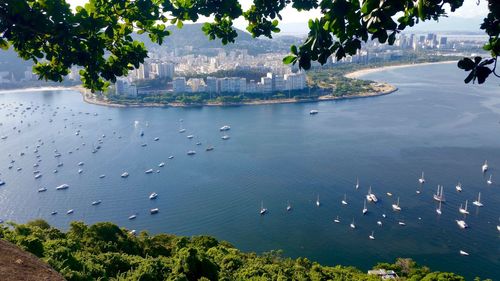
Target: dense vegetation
104 251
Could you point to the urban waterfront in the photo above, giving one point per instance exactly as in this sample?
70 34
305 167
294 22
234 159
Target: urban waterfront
276 153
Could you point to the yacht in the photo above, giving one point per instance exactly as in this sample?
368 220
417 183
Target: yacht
371 236
225 128
42 189
80 163
225 137
102 176
438 210
132 217
421 180
156 139
402 223
198 143
396 207
153 196
190 136
124 175
161 164
379 223
484 168
62 186
344 201
154 211
144 144
357 183
389 194
2 182
459 187
352 225
336 220
365 210
60 164
80 171
191 152
53 213
478 201
313 112
489 181
464 210
317 201
439 196
181 130
263 210
288 207
462 224
463 253
69 212
371 196
142 133
171 157
37 176
210 148
96 202
148 171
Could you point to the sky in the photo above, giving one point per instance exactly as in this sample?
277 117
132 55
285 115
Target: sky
470 13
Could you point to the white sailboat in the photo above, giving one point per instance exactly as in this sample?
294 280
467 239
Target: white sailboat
371 196
372 237
365 210
263 210
344 201
484 168
463 253
498 226
489 181
464 210
352 225
336 220
439 196
421 180
357 183
181 129
478 201
317 201
462 224
438 210
288 207
396 207
458 187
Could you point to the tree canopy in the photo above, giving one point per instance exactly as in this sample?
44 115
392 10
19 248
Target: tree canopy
97 36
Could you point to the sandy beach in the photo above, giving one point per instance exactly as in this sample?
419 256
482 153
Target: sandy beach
361 72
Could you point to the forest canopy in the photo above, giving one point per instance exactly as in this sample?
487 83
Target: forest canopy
98 36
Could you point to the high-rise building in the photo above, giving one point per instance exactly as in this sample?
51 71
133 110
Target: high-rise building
212 85
166 70
179 84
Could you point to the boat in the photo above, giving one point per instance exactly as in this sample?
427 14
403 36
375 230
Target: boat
336 220
344 201
396 207
181 130
288 207
53 213
263 210
365 210
352 225
144 144
190 136
317 201
421 180
438 210
148 171
42 189
102 176
462 224
132 217
439 196
371 236
161 164
489 181
132 232
124 175
458 187
225 137
96 202
37 176
371 196
402 223
198 143
357 183
210 148
225 128
191 152
484 168
60 164
2 182
389 194
153 196
313 112
80 171
478 201
80 163
142 133
463 253
154 211
464 210
69 212
379 223
62 186
171 157
156 139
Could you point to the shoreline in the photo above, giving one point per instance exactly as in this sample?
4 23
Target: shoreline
358 73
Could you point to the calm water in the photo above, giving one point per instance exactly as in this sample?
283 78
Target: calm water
276 153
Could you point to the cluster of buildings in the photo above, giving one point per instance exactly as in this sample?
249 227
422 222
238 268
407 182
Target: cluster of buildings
268 84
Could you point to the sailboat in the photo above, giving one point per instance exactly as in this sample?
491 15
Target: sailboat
489 181
344 202
365 210
396 207
352 225
484 168
464 210
371 236
498 226
459 187
421 180
288 207
439 196
478 201
463 253
263 210
357 183
317 201
181 130
462 224
336 220
438 210
371 196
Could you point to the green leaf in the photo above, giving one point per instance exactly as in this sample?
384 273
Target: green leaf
4 45
289 59
180 24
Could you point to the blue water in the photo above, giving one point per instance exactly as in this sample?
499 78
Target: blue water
277 153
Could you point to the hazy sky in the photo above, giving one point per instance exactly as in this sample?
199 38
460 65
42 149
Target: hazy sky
469 10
